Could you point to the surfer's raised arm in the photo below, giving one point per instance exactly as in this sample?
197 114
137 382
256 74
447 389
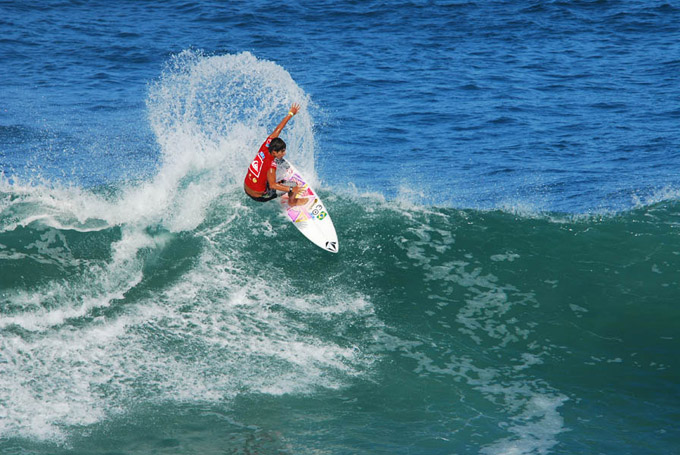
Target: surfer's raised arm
293 110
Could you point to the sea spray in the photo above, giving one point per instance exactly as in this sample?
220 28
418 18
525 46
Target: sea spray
142 294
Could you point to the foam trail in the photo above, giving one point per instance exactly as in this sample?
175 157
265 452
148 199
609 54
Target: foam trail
77 349
209 115
487 317
101 284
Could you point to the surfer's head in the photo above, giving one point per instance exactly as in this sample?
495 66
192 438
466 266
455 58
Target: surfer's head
277 145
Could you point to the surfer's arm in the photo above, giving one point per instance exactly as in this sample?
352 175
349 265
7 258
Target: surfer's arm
271 180
293 110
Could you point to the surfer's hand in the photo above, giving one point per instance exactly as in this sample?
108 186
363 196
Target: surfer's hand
294 108
295 190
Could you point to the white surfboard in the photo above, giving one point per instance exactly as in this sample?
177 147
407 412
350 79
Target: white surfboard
306 211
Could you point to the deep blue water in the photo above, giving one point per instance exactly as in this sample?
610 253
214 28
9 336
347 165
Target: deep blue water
503 177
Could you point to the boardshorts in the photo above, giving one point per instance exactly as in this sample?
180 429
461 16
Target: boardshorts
268 195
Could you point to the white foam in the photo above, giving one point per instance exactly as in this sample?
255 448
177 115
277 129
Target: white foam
535 428
212 334
209 114
208 337
527 406
509 256
666 193
54 303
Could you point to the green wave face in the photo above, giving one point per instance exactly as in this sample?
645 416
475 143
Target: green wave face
524 318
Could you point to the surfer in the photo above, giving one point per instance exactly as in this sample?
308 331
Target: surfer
260 183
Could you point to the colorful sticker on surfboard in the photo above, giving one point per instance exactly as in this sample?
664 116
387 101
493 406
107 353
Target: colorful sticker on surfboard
306 211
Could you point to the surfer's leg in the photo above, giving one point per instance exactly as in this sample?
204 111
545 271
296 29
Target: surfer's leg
266 196
297 201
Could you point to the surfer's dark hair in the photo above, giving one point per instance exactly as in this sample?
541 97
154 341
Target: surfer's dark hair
276 145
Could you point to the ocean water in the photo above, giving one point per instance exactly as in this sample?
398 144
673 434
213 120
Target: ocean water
504 178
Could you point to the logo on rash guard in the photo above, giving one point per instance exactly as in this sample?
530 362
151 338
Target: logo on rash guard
256 166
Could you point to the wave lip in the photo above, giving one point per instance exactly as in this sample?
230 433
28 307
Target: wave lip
132 313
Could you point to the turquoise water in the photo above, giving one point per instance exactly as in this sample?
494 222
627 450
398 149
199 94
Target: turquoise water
436 331
503 179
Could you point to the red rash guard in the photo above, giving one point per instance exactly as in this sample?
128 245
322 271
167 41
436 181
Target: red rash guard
256 179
